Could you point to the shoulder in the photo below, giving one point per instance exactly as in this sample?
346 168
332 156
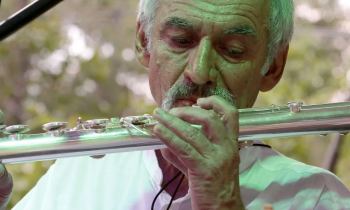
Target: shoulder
302 175
295 184
272 160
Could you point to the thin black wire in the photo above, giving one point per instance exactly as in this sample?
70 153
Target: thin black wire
167 184
172 198
183 176
260 145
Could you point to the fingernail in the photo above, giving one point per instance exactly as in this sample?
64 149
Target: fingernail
200 100
173 110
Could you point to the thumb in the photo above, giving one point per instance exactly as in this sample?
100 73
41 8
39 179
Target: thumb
173 159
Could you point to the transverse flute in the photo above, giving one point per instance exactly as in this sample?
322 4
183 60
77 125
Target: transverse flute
104 136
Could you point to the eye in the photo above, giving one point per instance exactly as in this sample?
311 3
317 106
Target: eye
182 42
235 52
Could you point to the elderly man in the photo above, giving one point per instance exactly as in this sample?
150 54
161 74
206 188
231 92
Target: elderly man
218 54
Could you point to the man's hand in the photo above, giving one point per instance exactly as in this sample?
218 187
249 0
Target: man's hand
208 157
6 186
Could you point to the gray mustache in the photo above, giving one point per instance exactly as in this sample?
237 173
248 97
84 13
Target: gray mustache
190 88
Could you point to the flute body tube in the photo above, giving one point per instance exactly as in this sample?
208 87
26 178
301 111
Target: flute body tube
104 136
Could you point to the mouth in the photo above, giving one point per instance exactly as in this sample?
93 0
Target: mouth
185 101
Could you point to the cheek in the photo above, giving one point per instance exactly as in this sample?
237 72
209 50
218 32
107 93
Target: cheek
250 93
154 83
169 70
244 83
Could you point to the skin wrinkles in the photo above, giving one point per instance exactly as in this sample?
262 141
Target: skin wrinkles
216 11
216 23
202 62
240 33
183 61
178 59
176 22
213 8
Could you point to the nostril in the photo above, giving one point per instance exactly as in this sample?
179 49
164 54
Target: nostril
189 82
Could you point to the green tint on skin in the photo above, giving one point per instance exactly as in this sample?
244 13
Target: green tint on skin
196 46
206 56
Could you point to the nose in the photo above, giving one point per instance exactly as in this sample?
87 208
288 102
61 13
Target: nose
201 68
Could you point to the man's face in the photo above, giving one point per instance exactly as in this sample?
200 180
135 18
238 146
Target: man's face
208 47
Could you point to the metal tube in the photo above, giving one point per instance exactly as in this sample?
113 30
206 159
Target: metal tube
254 125
25 16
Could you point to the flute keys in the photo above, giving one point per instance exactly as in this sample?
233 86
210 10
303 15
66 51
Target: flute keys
2 128
97 126
55 128
295 106
17 129
115 120
16 132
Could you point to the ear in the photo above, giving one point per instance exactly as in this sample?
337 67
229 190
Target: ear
273 76
141 52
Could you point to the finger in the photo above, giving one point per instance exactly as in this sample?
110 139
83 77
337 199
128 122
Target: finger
185 131
212 126
173 159
6 184
183 150
230 115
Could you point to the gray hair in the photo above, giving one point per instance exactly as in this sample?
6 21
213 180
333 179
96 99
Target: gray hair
281 25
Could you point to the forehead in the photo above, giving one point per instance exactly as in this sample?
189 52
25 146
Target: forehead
216 13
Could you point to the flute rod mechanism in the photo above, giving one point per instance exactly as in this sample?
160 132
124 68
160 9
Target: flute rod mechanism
104 136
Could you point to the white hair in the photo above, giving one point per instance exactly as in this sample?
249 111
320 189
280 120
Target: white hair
280 25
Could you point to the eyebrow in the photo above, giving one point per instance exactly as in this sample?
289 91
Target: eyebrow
178 22
241 29
183 23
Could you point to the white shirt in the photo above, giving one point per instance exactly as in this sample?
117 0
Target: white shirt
130 181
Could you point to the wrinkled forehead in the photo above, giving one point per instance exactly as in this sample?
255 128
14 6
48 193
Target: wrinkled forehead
215 14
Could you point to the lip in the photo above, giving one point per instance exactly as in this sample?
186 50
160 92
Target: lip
186 101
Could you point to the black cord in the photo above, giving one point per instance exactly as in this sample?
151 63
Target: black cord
262 145
183 176
172 198
167 184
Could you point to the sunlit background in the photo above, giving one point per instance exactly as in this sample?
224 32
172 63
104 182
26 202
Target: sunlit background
78 60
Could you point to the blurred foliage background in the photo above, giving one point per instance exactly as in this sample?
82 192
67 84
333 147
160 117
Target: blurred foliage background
78 60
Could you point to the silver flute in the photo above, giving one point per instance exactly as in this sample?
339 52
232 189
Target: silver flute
104 136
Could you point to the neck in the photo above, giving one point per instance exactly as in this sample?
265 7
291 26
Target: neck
169 172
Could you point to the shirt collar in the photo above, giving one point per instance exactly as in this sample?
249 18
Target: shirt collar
248 156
